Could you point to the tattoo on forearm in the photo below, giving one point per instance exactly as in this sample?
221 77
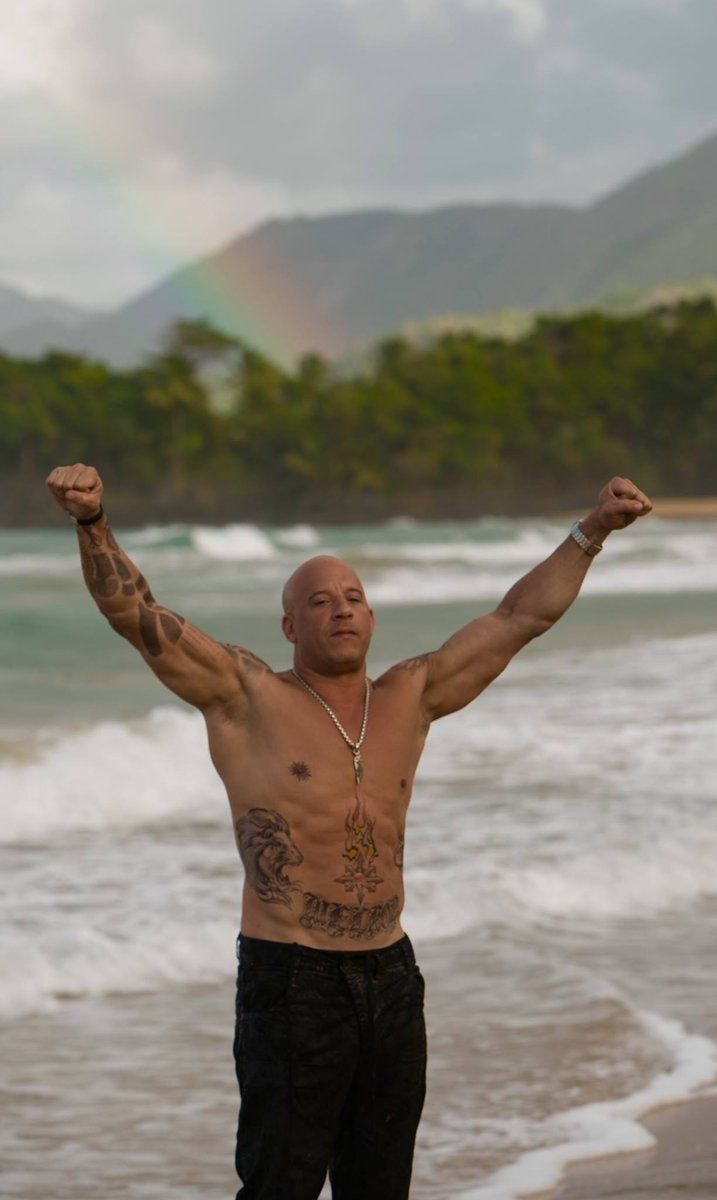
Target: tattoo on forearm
359 853
122 569
267 849
102 579
349 920
143 587
108 572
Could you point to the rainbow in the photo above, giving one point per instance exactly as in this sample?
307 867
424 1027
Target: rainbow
249 293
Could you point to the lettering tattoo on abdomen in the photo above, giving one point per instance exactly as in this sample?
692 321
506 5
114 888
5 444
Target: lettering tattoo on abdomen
267 848
356 921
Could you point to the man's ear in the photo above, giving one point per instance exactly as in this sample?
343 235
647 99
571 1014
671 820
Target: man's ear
287 625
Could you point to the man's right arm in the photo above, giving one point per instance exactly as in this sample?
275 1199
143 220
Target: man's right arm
195 666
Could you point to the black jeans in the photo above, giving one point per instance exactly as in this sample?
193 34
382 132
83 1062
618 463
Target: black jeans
330 1050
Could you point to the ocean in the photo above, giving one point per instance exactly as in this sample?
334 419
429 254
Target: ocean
561 857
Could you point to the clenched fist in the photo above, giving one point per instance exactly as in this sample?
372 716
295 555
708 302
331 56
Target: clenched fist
77 489
620 503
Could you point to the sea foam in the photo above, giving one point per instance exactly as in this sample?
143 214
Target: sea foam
110 775
95 962
233 543
607 1127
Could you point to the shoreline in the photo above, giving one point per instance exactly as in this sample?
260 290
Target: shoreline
686 506
668 507
682 1160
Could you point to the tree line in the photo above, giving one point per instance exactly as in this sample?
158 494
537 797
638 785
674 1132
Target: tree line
207 429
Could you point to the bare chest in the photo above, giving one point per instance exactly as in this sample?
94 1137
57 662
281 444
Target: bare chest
292 755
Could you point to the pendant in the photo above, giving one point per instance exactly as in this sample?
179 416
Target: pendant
358 765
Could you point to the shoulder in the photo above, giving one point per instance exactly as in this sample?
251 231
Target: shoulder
247 664
409 672
406 682
252 678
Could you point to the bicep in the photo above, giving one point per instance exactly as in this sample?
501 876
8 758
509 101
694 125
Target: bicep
471 659
191 663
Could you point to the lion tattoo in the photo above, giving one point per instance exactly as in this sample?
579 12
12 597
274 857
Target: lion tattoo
266 848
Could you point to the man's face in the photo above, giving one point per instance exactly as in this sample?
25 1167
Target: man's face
327 616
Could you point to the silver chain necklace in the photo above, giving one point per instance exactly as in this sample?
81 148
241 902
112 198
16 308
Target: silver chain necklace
355 747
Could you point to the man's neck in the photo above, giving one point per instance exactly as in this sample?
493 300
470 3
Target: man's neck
343 685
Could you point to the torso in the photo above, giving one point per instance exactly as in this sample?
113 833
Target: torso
323 855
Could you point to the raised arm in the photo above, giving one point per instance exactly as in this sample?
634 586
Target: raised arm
192 664
464 665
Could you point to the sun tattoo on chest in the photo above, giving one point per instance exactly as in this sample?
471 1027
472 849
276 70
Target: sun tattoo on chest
300 770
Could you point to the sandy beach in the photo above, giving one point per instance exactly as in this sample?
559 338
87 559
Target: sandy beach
667 507
686 506
682 1163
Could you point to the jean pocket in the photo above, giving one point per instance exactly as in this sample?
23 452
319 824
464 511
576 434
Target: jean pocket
420 982
262 989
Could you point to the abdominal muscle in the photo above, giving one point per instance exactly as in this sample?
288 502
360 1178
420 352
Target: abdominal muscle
341 897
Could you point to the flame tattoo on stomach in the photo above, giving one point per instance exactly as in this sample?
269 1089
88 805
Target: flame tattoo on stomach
361 875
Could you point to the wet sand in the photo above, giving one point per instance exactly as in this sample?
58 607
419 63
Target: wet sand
682 1164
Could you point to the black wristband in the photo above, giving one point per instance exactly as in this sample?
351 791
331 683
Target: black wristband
89 520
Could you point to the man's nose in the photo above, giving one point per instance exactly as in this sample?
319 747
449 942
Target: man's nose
342 609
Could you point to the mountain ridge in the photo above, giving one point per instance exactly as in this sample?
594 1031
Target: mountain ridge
333 283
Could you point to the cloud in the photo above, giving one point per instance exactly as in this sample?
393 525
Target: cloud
164 61
168 126
530 18
37 43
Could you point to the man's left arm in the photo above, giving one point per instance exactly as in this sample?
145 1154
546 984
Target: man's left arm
475 655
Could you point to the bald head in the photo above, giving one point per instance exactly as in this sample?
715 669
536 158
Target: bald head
313 575
327 616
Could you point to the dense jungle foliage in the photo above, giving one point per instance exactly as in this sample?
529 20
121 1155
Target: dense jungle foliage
209 430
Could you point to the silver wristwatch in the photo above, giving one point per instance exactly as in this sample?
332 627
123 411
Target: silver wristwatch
584 543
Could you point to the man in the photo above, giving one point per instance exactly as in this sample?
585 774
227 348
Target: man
318 763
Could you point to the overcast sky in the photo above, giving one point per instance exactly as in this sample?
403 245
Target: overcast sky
136 135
